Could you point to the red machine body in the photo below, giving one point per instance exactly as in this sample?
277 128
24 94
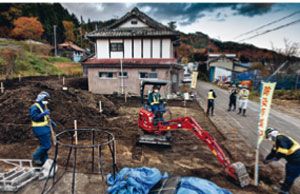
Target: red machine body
145 122
157 131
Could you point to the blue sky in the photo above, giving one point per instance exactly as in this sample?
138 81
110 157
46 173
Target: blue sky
223 21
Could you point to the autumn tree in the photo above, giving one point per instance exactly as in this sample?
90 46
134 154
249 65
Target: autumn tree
27 28
69 30
184 50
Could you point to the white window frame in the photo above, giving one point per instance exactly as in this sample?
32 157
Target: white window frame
113 73
148 75
120 76
118 46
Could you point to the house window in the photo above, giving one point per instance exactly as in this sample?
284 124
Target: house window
146 75
116 47
125 74
108 75
134 22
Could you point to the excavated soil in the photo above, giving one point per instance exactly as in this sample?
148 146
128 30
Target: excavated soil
65 106
188 156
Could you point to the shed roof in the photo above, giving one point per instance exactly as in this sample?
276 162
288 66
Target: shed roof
70 45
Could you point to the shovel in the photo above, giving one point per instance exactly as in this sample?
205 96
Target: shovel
53 135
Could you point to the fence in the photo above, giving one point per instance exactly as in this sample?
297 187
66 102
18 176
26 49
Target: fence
284 81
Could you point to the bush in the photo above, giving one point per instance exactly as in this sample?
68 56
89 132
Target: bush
9 56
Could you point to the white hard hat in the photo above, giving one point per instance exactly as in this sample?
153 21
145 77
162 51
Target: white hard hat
41 96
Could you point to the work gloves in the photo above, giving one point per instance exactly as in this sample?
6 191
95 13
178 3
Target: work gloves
46 112
270 160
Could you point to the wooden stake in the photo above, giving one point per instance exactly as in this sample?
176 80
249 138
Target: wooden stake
256 167
2 87
19 77
63 80
100 107
184 103
125 97
76 134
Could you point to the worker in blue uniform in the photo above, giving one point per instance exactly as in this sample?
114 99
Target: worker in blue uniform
40 121
289 149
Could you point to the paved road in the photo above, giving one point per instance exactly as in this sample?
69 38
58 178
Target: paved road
247 126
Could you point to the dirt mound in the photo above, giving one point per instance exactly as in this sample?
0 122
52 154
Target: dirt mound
65 106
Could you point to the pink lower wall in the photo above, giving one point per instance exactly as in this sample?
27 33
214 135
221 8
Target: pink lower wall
131 84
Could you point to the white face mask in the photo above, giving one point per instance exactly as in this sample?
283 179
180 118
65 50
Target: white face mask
45 102
156 91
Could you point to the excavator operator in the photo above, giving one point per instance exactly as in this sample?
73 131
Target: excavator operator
156 103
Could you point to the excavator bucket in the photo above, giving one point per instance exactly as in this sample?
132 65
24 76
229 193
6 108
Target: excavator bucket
241 173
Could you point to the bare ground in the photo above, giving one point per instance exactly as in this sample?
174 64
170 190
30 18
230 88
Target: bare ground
188 156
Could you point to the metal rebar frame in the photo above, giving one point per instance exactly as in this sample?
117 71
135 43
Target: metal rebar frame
73 152
22 173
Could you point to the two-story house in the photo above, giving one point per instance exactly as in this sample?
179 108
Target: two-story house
133 48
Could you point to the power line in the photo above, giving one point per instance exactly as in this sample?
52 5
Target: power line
271 30
268 24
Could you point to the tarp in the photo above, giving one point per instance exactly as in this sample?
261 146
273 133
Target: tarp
193 185
134 180
248 75
142 180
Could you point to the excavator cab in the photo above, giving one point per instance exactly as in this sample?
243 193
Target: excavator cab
152 83
158 114
150 121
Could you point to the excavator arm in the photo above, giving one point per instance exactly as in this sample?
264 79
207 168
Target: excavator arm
237 170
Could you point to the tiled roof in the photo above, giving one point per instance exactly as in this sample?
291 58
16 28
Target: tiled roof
131 32
155 28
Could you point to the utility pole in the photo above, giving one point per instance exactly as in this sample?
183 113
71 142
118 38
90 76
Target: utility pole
297 79
81 36
55 47
122 78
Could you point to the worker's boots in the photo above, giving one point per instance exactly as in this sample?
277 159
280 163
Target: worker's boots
240 111
37 163
244 112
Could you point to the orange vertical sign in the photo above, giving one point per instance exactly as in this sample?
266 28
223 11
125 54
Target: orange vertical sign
265 106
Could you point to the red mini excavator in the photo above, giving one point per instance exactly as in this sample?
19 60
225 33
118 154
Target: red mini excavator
156 130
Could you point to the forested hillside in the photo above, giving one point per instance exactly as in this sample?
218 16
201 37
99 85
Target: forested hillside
48 14
196 46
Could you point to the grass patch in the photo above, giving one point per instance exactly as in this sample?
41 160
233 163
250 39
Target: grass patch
70 68
32 64
58 59
27 59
